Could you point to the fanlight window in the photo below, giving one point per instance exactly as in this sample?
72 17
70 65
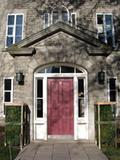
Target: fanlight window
59 14
59 69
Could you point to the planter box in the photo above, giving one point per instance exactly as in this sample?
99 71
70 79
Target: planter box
17 125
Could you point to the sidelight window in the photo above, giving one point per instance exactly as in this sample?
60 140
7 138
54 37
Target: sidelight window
80 97
39 99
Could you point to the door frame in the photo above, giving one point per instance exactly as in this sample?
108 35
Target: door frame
42 122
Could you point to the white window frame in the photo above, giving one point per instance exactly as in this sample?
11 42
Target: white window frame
104 24
14 27
49 20
11 91
108 90
73 13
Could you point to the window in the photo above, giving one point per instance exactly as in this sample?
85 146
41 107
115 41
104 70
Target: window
80 97
46 19
8 90
105 28
39 99
59 14
60 69
112 89
14 29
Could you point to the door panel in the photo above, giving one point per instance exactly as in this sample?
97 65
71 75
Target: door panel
60 107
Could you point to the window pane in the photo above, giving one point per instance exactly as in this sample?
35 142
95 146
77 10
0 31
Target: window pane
7 85
46 16
53 69
78 71
80 107
73 19
39 108
41 71
81 87
55 16
7 97
10 30
65 69
18 31
80 97
40 88
112 83
17 39
11 20
19 19
64 16
99 19
108 19
9 41
112 96
112 89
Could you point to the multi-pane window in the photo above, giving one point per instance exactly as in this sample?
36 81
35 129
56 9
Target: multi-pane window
105 28
112 89
14 29
59 14
8 90
39 99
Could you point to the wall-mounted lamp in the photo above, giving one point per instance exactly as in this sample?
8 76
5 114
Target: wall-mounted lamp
20 78
118 65
101 77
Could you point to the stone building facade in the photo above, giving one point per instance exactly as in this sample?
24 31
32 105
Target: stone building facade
53 56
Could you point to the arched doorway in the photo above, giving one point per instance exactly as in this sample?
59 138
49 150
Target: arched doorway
60 102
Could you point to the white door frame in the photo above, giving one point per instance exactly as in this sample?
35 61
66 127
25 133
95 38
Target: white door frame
40 124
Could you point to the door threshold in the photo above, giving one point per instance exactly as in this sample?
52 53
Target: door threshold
61 137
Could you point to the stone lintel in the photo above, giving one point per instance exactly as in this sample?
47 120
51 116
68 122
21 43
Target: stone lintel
21 51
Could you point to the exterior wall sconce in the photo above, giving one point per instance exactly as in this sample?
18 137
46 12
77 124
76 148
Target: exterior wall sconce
118 65
101 77
20 78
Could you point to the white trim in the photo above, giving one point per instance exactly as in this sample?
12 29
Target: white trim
14 27
11 91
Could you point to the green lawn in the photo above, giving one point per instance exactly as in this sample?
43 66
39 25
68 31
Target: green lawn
6 153
112 153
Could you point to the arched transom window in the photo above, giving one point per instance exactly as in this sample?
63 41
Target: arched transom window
59 14
59 69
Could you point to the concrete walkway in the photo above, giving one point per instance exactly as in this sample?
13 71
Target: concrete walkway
61 151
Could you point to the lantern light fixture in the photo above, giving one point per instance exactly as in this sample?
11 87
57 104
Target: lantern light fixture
20 78
101 77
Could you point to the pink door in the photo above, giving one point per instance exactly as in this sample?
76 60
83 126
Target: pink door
60 107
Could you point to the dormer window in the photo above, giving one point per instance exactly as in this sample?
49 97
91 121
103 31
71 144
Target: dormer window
59 14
